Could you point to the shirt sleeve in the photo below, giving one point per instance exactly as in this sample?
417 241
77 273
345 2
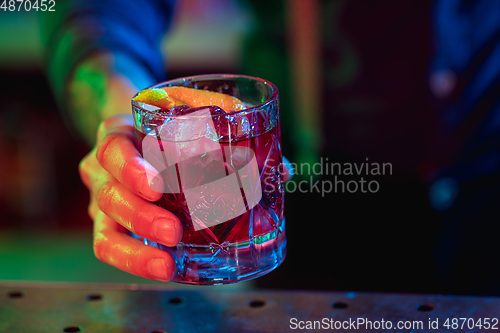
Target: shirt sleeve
132 30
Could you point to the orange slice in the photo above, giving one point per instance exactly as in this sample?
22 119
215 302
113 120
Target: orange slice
196 98
168 97
157 97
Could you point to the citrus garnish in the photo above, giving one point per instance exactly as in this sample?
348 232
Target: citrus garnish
168 97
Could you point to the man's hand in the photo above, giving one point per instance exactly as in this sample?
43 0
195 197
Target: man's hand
121 199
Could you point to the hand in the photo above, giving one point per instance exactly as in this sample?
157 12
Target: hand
121 199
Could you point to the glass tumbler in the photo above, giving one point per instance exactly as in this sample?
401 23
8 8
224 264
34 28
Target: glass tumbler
223 177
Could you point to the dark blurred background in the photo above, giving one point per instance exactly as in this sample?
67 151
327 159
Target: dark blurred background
357 81
45 232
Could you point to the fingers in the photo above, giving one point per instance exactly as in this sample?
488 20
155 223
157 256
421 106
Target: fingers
117 154
136 214
114 247
116 176
113 192
119 122
89 168
93 209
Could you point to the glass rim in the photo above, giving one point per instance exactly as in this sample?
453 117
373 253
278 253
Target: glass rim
255 108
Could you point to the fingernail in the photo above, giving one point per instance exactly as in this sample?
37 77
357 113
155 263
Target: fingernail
147 186
156 183
166 232
158 268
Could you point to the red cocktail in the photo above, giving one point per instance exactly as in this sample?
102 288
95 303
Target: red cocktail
223 178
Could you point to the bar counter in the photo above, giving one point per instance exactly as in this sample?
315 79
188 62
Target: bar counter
72 307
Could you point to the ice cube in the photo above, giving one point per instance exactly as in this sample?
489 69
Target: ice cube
182 110
215 203
190 126
184 137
